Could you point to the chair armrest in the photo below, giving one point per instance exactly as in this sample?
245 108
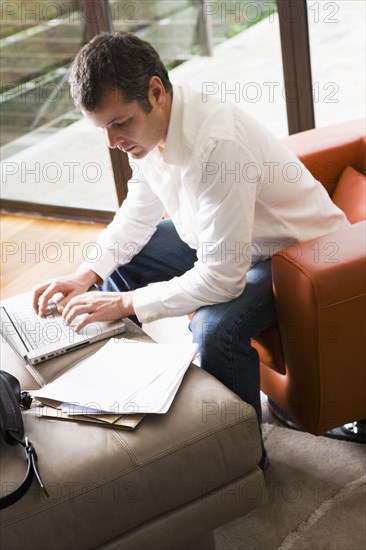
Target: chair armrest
334 264
319 289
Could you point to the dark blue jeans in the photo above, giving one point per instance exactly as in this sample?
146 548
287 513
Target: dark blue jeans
222 331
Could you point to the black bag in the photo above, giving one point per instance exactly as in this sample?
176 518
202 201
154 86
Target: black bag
12 430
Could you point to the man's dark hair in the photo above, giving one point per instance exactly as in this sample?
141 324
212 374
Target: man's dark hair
116 61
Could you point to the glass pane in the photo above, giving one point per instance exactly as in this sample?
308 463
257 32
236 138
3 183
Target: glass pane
246 67
49 155
337 45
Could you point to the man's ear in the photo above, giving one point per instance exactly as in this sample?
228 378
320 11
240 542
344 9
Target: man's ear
157 90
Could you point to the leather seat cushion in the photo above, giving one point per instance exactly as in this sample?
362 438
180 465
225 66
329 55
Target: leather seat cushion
350 194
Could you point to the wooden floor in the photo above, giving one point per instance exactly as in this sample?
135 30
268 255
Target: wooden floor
36 249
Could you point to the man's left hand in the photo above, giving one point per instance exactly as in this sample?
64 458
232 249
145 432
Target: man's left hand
98 306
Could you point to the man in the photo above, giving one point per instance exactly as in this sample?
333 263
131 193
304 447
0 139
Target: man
234 195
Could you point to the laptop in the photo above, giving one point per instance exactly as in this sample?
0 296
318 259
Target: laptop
36 339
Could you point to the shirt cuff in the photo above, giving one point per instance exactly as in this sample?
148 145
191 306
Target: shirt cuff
147 303
102 267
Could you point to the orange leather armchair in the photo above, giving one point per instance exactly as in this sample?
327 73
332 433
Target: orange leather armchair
313 363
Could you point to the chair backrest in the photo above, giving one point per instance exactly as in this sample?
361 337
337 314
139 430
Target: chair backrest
326 152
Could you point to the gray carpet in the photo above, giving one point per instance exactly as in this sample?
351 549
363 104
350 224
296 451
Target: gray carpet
316 497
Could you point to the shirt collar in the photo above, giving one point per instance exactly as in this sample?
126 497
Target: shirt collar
173 150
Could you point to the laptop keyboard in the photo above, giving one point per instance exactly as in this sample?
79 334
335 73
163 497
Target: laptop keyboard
42 331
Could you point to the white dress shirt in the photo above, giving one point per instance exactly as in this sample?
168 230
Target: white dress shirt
235 194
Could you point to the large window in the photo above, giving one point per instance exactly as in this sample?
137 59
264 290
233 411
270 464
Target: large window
55 162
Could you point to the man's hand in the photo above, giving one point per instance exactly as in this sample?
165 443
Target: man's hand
69 286
98 306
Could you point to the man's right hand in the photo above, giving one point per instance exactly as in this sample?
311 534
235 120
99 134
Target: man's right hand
69 286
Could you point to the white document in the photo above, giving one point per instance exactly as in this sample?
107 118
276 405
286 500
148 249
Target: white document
122 377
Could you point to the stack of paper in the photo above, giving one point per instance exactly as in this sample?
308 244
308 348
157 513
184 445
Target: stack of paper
123 377
120 421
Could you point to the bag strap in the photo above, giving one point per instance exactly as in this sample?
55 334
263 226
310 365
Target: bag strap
11 425
32 469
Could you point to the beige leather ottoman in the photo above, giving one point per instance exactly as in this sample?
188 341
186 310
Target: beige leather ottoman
166 484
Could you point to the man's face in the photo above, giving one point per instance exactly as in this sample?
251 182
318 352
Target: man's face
127 126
